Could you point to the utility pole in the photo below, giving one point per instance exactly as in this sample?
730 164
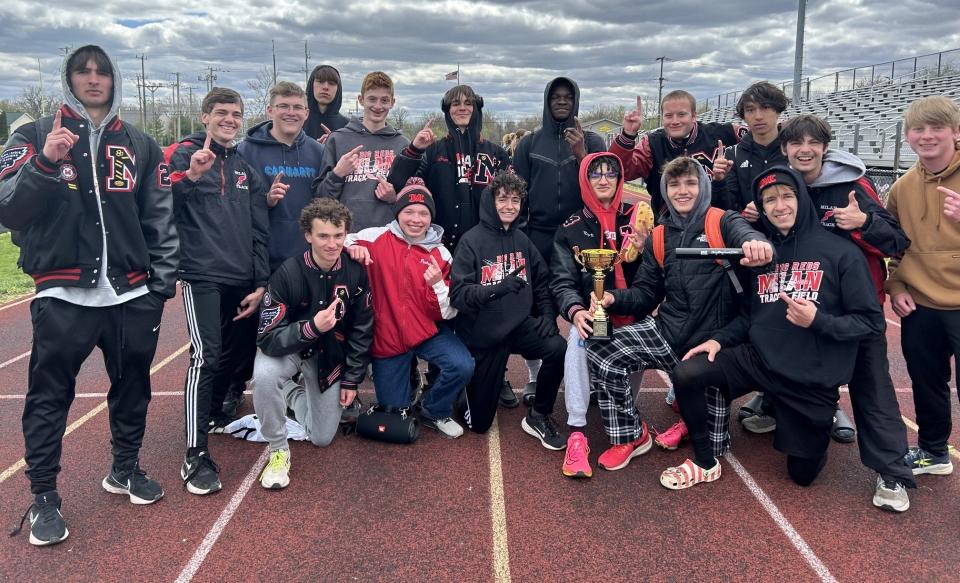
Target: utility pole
306 66
660 91
152 88
798 51
193 113
273 45
42 100
143 94
176 101
211 76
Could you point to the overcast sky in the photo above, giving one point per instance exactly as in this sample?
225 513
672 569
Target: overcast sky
507 50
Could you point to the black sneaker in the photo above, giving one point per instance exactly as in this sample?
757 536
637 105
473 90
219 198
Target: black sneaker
232 404
200 474
135 483
508 398
47 526
542 427
529 393
351 412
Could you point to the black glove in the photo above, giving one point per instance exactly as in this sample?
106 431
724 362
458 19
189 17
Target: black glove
511 284
546 326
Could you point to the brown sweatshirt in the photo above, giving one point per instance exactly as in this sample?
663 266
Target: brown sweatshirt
930 268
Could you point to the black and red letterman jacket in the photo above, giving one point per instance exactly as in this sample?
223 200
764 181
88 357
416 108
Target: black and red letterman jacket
53 207
299 289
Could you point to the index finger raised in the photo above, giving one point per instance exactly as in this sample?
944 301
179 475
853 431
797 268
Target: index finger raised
325 129
639 105
57 117
206 142
278 177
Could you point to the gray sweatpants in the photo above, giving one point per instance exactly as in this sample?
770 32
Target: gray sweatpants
274 392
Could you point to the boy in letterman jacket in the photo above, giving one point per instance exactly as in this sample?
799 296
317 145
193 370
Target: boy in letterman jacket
409 270
90 197
220 207
317 320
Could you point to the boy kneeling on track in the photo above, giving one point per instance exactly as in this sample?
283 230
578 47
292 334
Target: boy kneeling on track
498 276
409 270
798 340
317 320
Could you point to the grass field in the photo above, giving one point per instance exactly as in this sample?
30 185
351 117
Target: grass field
13 282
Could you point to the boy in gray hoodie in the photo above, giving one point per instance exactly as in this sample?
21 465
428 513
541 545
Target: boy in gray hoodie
358 157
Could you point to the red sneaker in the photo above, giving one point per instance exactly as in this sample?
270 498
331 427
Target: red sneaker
576 461
618 456
671 438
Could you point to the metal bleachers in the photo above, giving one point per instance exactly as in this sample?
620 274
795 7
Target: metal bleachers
865 120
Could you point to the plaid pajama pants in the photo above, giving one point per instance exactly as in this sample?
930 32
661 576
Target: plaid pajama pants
633 349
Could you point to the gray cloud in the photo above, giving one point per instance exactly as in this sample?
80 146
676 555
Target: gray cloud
508 50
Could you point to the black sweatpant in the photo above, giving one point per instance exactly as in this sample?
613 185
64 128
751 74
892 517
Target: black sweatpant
64 335
221 351
804 413
929 337
881 433
483 390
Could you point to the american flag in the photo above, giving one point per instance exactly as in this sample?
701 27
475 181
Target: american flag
452 76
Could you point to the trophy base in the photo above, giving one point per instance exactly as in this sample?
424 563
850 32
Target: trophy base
602 331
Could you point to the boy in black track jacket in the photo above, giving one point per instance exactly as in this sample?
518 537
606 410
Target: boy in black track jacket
221 212
497 276
806 320
760 105
317 320
90 197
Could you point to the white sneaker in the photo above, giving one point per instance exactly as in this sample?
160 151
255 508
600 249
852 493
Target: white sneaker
446 426
276 474
891 496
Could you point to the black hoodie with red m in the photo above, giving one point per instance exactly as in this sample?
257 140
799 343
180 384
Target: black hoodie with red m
818 266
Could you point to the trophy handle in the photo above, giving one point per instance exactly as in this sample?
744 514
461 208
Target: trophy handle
576 257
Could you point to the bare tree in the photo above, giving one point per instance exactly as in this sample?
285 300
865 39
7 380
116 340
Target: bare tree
35 102
398 118
260 88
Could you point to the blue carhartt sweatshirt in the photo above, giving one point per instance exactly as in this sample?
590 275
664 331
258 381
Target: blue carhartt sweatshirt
299 164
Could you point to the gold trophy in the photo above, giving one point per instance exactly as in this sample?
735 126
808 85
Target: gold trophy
601 261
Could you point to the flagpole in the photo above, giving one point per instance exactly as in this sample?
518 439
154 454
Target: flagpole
458 73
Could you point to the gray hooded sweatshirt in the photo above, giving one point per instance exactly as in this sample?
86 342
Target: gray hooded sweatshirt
357 190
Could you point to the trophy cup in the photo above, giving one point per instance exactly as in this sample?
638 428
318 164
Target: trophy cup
600 261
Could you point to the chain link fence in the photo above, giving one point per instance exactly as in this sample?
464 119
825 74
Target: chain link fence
883 179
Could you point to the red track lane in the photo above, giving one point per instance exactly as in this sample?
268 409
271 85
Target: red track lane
377 512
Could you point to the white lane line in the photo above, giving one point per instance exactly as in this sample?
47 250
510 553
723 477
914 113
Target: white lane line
21 463
221 524
778 518
498 508
781 521
15 359
16 303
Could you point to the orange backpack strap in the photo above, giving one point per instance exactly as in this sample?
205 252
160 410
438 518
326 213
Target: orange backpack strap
658 251
711 227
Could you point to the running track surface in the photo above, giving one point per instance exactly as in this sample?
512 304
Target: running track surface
480 508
